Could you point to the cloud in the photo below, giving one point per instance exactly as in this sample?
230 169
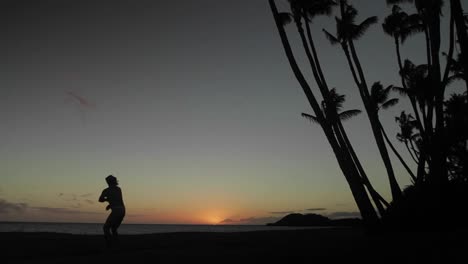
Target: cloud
296 211
227 221
337 215
76 198
83 102
54 210
7 207
250 221
68 197
21 208
283 213
316 209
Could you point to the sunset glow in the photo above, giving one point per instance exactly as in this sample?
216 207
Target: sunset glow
196 131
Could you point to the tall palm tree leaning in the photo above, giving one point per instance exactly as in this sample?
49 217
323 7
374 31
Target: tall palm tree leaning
335 105
303 12
347 33
380 97
334 136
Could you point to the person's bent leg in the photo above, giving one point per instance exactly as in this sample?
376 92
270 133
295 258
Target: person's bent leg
107 234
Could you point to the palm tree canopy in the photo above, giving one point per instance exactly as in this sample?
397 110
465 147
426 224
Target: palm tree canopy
335 100
331 106
421 5
400 25
417 80
285 18
311 8
407 125
380 95
347 29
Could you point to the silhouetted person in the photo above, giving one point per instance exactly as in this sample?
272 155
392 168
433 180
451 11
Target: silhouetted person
112 195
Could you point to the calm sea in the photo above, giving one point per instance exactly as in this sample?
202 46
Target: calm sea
132 229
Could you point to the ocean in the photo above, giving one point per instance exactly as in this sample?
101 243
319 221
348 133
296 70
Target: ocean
133 229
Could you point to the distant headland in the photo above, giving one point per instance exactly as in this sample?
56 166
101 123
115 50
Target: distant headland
315 220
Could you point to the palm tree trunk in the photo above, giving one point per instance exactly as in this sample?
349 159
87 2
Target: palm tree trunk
416 153
411 153
421 168
376 197
462 33
413 177
341 135
313 66
374 121
438 176
316 59
359 193
428 46
295 67
451 49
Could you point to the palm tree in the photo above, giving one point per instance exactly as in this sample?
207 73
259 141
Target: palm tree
336 103
430 12
380 99
303 12
457 130
407 135
347 32
462 32
457 70
334 137
333 108
400 26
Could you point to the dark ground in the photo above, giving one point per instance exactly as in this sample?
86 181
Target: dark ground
315 246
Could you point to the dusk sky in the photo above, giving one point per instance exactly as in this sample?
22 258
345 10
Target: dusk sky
190 104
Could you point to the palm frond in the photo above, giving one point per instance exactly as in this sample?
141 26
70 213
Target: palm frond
335 99
411 30
454 78
390 103
376 88
350 14
388 89
389 28
360 29
321 7
311 118
333 40
285 18
400 90
349 114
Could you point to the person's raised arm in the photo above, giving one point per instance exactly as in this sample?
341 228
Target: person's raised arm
103 197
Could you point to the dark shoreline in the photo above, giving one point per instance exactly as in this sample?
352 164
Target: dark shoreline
343 243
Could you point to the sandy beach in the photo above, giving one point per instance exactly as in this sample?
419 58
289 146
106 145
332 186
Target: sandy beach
325 244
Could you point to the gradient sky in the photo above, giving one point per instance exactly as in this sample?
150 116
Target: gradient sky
190 104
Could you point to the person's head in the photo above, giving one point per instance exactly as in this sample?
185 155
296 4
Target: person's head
112 181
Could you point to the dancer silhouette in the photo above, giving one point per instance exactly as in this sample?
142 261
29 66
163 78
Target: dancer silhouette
112 195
